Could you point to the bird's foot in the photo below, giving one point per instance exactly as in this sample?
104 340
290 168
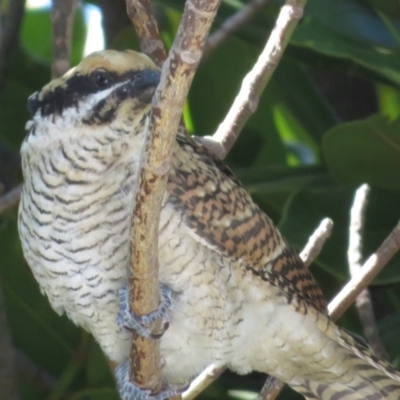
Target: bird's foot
129 391
128 320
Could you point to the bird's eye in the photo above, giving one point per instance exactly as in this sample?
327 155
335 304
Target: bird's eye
102 78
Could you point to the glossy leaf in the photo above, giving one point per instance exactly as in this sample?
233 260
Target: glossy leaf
306 209
365 151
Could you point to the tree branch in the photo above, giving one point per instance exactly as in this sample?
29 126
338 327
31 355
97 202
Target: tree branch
62 20
232 25
357 222
10 199
354 255
366 274
147 30
176 76
316 242
254 83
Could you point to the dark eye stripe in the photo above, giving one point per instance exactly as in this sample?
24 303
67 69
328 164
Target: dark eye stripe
76 88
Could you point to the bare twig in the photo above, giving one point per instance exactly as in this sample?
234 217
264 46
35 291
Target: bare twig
62 20
211 373
366 274
176 76
8 382
368 321
357 222
147 30
354 255
10 199
316 242
9 34
272 387
233 24
254 83
205 379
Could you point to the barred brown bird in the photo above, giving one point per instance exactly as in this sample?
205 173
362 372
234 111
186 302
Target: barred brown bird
241 296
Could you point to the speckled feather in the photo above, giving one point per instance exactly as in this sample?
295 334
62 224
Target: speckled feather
241 296
218 208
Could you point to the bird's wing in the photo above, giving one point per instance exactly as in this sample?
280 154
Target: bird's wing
221 214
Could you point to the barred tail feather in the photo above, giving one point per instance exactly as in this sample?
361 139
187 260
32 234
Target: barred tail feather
367 377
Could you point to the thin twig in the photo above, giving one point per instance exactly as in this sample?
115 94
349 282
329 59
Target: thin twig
366 274
354 255
233 24
10 199
316 242
357 222
272 387
62 20
9 34
205 379
147 30
308 255
254 83
168 101
146 27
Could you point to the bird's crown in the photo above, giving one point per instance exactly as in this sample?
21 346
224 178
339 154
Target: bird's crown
108 75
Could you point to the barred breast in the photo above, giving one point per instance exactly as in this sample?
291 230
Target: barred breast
74 222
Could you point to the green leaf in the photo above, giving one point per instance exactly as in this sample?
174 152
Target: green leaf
305 210
365 151
26 76
389 332
348 30
358 21
98 370
389 7
14 113
36 34
305 102
389 101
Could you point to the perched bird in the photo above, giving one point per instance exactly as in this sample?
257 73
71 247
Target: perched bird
238 294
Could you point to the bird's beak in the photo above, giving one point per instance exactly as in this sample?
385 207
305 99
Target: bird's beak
146 78
141 86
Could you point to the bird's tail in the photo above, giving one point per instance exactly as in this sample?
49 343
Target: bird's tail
366 376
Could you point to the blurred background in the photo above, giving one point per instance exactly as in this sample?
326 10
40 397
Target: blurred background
327 122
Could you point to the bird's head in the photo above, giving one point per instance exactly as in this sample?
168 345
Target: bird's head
105 86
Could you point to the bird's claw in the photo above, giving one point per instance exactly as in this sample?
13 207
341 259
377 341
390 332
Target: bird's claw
130 391
128 320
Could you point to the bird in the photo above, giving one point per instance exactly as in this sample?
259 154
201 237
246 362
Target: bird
234 291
